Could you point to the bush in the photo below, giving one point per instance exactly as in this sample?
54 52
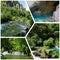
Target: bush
43 49
49 42
54 54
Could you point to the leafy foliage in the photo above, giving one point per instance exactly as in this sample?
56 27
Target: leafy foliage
45 37
14 44
10 13
49 42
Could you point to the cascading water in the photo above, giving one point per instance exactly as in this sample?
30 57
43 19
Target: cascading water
55 16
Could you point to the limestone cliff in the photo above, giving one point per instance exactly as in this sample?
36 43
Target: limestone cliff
44 7
12 4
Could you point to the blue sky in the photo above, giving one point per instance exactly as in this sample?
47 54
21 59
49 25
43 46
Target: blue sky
23 2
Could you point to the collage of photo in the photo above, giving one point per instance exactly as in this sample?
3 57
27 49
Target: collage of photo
29 29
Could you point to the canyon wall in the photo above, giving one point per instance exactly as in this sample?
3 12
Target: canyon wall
43 7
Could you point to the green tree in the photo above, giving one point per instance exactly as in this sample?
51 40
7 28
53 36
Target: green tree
49 42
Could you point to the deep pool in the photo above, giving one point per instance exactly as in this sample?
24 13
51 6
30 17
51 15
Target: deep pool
41 18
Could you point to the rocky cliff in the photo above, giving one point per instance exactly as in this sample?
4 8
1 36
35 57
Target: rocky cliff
44 7
12 4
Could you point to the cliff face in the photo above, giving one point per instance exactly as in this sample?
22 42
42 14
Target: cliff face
11 10
44 7
12 4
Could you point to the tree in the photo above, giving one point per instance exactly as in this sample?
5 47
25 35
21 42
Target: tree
43 49
40 42
5 43
49 42
15 44
11 13
45 37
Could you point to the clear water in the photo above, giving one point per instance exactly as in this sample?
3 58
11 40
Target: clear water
41 18
12 28
55 48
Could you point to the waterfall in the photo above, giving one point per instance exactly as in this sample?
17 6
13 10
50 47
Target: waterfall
55 17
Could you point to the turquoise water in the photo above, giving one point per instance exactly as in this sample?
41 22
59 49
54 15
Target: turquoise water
13 28
41 18
56 49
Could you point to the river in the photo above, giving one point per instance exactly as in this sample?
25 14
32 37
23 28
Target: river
14 28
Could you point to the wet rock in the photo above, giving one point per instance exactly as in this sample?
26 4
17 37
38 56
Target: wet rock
44 7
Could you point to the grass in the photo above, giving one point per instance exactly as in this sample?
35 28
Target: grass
15 57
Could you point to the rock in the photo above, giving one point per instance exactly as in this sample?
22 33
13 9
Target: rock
43 7
37 12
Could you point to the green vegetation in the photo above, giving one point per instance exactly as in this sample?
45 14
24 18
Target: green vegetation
15 44
16 57
45 38
14 12
15 19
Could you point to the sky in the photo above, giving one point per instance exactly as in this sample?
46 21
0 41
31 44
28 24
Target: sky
30 3
23 2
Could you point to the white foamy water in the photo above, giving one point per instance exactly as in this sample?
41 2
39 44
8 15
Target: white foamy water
56 14
5 53
55 17
36 57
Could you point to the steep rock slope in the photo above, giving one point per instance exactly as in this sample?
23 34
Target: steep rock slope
44 7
